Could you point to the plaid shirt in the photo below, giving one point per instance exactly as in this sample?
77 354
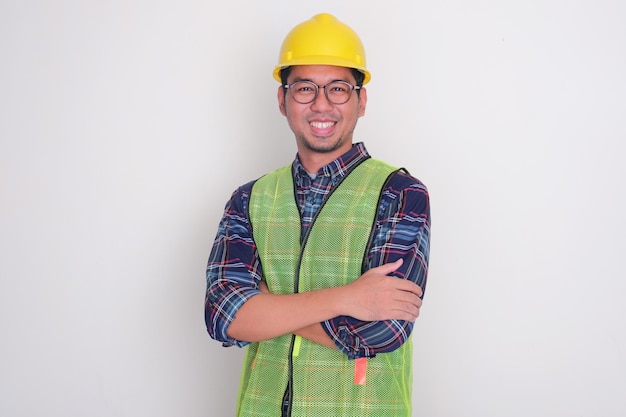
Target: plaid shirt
402 231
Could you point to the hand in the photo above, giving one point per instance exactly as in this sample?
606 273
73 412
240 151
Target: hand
377 296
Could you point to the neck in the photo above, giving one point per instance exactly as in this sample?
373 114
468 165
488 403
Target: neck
313 164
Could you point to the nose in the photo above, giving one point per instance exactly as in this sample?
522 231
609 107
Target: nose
321 103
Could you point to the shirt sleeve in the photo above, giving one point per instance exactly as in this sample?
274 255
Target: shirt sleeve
402 231
233 270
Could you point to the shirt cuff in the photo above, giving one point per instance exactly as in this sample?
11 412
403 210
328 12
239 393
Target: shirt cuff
232 304
345 339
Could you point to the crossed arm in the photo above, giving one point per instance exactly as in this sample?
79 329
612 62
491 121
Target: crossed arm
239 309
373 296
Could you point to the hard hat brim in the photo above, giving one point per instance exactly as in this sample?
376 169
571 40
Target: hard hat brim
308 61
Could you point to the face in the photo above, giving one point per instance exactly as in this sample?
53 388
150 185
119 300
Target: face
321 127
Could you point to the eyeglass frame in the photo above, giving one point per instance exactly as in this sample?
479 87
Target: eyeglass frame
317 90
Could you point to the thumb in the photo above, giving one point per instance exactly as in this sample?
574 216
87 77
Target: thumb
386 269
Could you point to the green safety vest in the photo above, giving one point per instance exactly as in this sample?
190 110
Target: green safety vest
323 380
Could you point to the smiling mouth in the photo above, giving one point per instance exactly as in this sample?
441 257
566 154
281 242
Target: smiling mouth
322 125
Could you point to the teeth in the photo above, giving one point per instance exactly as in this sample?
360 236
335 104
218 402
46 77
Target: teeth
322 125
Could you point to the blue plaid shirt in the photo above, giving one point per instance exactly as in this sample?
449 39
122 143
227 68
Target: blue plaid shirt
402 231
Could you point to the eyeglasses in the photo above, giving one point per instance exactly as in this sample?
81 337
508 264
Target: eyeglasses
337 92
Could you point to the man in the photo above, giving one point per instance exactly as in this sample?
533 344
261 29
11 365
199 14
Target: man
319 267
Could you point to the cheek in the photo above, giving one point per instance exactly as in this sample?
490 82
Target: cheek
293 112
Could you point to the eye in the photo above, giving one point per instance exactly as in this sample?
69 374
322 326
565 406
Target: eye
303 87
339 88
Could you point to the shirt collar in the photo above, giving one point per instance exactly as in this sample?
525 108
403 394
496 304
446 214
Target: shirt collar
337 169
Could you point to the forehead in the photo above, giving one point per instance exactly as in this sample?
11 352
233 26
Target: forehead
321 73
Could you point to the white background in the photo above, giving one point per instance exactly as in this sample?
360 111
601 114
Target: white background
126 124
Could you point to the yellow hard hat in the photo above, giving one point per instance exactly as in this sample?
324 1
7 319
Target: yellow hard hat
322 40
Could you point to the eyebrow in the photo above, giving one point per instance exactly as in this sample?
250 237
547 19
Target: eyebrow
310 80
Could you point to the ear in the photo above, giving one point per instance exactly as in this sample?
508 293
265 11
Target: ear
362 101
280 95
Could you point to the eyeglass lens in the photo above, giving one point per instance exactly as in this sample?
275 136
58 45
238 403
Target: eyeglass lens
337 92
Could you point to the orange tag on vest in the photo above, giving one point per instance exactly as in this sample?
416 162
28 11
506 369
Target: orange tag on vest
360 366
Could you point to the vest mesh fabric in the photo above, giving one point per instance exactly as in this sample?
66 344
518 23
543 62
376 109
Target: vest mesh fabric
322 378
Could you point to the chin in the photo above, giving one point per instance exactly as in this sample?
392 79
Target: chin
323 146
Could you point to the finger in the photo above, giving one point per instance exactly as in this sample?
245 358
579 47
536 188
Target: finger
386 269
411 310
408 286
407 314
409 298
